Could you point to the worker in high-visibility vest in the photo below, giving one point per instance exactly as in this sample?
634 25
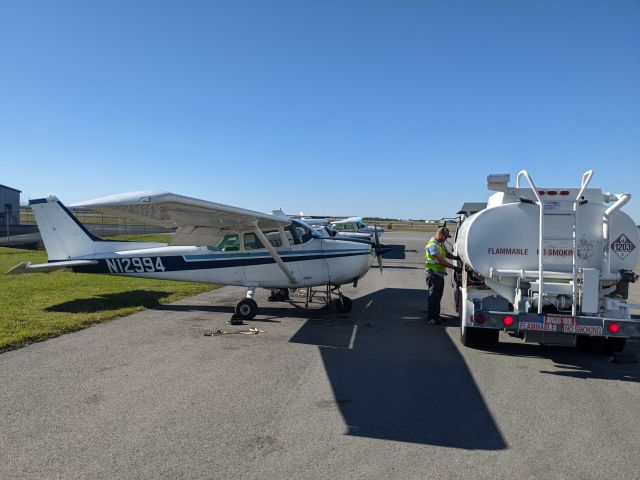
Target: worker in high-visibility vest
435 255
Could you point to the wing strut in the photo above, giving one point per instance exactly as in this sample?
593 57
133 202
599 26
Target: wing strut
274 254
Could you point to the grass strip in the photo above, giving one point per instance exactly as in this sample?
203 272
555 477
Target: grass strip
37 306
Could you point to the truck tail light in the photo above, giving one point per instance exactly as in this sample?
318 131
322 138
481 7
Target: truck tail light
614 327
508 320
480 318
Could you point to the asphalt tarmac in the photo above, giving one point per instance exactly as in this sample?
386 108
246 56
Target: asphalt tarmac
374 394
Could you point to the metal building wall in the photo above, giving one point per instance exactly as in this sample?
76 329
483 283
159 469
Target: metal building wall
12 198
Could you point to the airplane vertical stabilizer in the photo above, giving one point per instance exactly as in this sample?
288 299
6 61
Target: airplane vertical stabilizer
63 235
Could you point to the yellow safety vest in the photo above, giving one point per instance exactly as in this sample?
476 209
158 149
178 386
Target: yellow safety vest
431 263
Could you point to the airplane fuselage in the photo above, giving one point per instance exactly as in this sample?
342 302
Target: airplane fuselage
316 262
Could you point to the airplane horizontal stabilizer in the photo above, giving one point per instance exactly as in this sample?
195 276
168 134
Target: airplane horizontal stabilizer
27 267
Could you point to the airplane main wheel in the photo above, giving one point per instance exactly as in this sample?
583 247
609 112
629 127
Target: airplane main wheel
344 304
247 308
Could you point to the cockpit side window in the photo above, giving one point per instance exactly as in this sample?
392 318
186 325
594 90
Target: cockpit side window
292 235
274 237
228 243
252 242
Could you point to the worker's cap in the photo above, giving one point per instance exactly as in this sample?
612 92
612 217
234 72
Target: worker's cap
444 231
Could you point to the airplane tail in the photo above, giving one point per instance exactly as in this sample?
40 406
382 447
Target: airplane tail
63 235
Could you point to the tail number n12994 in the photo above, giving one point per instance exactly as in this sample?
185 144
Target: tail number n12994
135 264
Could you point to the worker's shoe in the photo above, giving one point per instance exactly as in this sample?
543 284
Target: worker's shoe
437 321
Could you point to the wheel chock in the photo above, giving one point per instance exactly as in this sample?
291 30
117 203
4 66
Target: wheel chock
235 320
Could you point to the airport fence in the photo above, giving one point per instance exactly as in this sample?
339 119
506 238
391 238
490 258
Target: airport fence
17 228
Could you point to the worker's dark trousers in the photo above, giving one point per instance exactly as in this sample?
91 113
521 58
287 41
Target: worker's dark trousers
435 287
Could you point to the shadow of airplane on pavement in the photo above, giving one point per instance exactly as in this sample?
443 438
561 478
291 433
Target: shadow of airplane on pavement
396 378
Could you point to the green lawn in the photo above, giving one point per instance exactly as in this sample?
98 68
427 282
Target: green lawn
37 306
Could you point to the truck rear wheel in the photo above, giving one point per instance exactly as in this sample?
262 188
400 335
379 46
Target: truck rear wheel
456 300
590 345
614 345
478 337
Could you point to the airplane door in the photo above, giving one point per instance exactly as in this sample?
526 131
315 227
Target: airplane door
314 268
265 271
324 264
307 249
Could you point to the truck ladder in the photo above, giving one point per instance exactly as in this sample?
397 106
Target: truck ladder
586 178
525 174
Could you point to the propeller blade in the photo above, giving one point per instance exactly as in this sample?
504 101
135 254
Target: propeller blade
375 232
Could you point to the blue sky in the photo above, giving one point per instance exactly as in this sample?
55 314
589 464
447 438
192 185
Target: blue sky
376 108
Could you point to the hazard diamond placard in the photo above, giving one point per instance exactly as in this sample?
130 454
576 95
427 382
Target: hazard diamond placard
622 246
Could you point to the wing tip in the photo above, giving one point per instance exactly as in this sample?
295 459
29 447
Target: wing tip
18 269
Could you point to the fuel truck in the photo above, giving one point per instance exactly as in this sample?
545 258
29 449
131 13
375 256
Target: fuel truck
547 265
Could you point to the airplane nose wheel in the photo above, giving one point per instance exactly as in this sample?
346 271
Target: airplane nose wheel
247 308
343 304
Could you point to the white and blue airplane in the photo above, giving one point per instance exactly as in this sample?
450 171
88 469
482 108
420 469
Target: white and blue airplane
354 224
325 229
213 243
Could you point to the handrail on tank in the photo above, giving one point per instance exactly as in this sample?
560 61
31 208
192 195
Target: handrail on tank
623 199
588 174
525 174
586 178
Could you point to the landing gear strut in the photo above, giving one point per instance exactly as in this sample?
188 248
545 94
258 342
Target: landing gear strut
327 296
279 295
247 308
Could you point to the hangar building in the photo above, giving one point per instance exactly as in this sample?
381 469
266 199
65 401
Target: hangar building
9 205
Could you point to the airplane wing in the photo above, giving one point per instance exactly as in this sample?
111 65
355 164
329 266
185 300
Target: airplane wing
170 210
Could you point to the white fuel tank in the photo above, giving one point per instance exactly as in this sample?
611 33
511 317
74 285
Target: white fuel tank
505 237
